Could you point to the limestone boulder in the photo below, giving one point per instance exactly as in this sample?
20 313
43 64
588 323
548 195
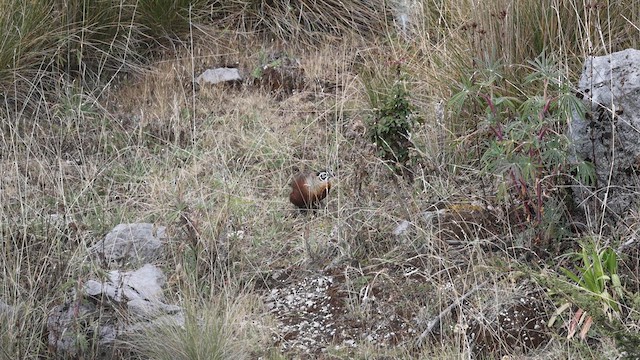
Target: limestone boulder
130 244
608 134
119 302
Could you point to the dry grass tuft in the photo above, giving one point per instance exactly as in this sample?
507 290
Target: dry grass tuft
221 328
306 21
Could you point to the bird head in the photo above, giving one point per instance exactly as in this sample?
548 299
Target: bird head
325 175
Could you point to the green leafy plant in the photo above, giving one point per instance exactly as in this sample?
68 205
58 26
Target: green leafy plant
526 143
263 63
594 293
598 277
391 124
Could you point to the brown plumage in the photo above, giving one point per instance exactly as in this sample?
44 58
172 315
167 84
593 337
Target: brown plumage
308 189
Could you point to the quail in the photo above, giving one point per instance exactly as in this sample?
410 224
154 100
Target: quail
309 188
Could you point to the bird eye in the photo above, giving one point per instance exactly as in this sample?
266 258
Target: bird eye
325 175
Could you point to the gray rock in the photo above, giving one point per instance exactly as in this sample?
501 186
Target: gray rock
131 244
401 228
215 76
143 284
119 304
406 12
608 135
6 310
122 304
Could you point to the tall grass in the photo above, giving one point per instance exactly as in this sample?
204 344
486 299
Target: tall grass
221 328
302 20
454 37
43 40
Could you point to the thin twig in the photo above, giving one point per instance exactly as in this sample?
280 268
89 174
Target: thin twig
431 325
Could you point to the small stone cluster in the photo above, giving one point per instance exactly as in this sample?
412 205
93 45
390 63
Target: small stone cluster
102 310
519 325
